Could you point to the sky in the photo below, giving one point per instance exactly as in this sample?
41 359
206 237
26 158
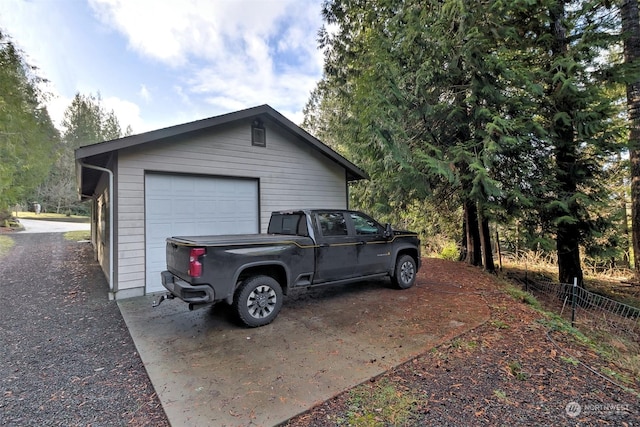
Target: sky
158 63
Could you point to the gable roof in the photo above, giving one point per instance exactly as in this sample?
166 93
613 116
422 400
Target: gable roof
99 154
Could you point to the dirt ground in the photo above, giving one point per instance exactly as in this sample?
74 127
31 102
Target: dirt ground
518 368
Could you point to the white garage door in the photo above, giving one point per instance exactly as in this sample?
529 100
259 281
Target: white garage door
181 205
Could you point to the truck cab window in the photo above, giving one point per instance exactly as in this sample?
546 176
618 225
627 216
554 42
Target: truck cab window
332 224
291 224
365 225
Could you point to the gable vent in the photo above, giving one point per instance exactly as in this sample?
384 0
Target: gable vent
258 135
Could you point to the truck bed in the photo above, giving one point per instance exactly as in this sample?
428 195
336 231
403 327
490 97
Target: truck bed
239 240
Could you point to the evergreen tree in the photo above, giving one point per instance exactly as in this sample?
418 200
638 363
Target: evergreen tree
576 114
499 105
631 36
27 134
423 87
85 122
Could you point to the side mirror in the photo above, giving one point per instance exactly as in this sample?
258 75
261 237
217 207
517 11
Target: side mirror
388 231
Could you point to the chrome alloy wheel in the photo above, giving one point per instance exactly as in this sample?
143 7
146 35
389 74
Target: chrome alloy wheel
407 272
261 302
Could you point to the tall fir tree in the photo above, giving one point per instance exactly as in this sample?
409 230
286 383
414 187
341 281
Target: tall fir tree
27 135
576 113
86 121
631 36
499 101
424 90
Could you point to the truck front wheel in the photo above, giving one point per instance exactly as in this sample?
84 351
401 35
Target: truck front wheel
405 273
258 301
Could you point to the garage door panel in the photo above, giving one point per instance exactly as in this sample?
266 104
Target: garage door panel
156 205
159 229
244 205
155 263
183 228
180 205
193 205
182 185
158 183
206 206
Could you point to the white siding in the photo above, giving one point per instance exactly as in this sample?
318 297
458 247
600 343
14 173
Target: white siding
291 175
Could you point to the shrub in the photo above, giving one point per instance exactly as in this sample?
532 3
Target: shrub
450 252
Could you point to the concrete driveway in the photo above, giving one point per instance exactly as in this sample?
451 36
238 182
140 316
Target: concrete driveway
40 226
208 371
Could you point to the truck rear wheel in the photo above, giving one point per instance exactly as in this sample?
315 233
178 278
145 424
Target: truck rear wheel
405 273
258 301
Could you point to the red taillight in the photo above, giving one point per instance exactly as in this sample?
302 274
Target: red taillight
195 266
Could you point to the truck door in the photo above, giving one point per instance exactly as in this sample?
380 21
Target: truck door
373 250
336 255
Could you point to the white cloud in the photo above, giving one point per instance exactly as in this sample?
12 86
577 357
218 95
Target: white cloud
127 112
184 60
179 90
172 31
56 106
227 103
152 27
144 93
231 54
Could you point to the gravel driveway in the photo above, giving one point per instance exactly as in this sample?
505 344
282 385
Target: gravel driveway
66 356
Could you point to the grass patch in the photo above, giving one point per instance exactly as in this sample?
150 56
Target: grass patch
523 296
6 243
617 376
380 404
554 322
608 346
606 343
501 395
499 324
78 235
515 368
461 344
569 360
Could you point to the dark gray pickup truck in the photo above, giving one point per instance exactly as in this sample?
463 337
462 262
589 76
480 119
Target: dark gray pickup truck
301 248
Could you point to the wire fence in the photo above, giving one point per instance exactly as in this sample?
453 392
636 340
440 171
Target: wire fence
586 309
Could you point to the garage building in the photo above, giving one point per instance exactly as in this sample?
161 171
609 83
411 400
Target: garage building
221 175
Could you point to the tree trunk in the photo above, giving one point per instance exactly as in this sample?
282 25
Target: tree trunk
498 250
485 240
631 29
463 245
565 151
474 249
568 254
624 229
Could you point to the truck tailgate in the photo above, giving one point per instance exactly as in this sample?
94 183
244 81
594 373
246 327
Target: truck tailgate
178 258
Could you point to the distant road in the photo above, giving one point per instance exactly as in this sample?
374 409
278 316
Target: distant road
38 226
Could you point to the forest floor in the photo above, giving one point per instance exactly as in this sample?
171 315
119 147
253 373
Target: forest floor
524 366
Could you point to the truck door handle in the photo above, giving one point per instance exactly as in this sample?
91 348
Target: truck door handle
362 243
323 245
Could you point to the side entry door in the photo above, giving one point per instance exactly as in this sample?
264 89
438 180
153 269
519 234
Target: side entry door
373 250
336 257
